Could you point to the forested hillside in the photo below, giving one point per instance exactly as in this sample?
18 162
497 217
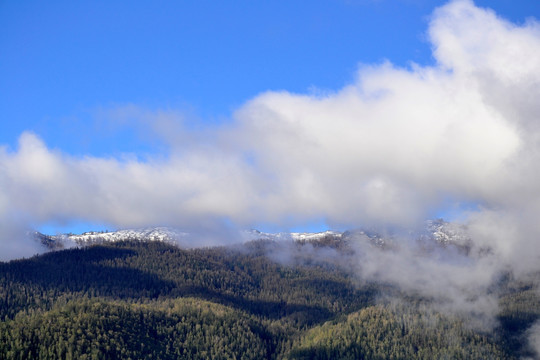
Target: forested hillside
152 300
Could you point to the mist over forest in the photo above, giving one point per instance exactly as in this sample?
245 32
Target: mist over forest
323 298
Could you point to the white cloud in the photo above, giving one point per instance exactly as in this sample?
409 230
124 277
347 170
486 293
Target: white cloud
391 145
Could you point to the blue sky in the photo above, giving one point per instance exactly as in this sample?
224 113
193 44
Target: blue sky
65 67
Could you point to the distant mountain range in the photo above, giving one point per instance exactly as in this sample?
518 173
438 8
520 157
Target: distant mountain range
435 232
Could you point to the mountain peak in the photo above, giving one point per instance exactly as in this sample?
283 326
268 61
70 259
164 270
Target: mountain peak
435 232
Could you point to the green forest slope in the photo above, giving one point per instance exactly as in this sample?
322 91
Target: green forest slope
152 300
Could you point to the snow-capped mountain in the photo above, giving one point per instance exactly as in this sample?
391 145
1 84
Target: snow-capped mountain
146 234
294 236
56 242
444 232
436 232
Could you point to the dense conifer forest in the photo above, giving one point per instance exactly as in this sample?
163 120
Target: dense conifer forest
153 300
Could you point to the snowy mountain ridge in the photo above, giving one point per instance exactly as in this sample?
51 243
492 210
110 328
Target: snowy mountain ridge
165 234
295 236
145 234
436 231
